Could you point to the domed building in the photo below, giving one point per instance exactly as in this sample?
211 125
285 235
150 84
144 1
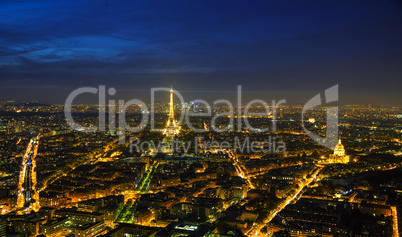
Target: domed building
339 155
339 149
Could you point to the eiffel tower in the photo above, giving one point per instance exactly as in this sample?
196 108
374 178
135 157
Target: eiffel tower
172 129
171 126
171 122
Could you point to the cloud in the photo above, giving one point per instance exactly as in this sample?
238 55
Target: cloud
273 44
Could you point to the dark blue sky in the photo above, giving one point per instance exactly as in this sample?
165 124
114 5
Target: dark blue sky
274 49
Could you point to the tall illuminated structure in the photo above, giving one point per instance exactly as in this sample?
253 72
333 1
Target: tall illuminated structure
172 129
171 122
171 126
28 197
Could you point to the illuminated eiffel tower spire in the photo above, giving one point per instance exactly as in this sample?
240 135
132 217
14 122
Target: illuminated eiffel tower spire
171 122
171 130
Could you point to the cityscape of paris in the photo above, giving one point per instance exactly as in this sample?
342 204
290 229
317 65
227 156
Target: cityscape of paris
160 118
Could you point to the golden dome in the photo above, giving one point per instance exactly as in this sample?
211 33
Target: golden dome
339 149
339 146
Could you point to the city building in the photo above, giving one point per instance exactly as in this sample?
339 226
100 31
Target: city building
339 155
184 229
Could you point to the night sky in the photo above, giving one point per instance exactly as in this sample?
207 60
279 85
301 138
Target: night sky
275 49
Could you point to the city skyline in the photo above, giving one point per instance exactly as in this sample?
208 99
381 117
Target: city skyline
204 119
